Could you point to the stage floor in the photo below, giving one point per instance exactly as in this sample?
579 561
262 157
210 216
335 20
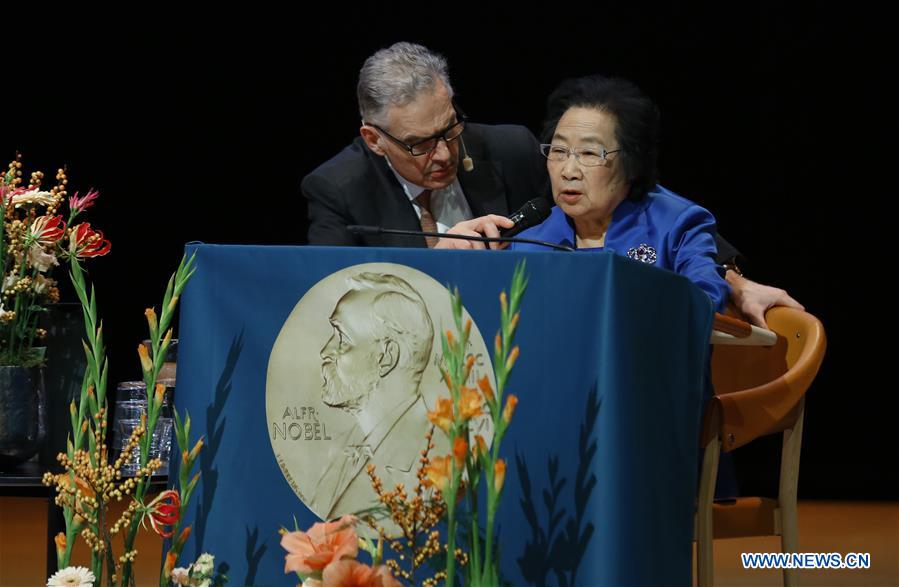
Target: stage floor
823 527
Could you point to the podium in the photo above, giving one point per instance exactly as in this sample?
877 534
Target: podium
602 452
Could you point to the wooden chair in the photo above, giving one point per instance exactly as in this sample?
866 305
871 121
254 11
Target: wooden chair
759 390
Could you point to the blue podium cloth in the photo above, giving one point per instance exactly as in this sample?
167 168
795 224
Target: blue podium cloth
603 449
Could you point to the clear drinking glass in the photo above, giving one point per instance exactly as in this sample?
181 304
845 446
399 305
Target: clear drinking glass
162 444
130 405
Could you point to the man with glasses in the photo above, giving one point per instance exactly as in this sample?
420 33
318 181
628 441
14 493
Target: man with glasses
404 171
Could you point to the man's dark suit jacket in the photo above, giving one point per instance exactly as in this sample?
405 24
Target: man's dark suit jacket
357 187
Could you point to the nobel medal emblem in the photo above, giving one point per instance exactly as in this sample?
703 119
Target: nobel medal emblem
351 377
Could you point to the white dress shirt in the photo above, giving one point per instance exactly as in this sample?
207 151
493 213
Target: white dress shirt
448 205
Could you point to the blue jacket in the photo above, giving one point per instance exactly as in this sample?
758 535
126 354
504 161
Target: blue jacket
663 229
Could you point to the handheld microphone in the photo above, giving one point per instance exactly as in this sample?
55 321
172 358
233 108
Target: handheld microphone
372 230
531 214
467 163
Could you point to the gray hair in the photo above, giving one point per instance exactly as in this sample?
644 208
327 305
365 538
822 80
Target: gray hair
399 313
395 76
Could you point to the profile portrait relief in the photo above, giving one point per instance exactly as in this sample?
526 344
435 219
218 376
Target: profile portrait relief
371 368
351 378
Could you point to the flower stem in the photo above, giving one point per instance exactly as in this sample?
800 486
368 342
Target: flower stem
451 541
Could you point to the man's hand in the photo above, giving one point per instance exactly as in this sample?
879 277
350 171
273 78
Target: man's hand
754 299
483 226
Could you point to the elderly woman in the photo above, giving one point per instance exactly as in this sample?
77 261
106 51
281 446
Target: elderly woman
601 151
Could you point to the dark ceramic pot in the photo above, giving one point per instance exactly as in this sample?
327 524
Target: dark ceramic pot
22 414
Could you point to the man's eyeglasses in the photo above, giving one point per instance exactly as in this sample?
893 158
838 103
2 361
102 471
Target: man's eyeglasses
588 156
425 146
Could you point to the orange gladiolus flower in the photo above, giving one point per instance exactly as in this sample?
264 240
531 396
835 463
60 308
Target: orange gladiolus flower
84 486
159 395
170 559
80 485
470 403
460 449
446 379
442 417
499 474
511 402
325 543
79 490
185 534
486 388
350 573
439 472
514 323
145 362
479 446
60 540
150 313
513 356
195 450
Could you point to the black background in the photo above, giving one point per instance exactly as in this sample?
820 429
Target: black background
201 130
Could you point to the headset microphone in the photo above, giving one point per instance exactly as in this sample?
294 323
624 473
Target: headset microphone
467 163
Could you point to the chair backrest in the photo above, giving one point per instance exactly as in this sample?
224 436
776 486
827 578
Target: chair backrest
759 389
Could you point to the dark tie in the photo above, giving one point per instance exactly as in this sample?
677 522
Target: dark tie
428 224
